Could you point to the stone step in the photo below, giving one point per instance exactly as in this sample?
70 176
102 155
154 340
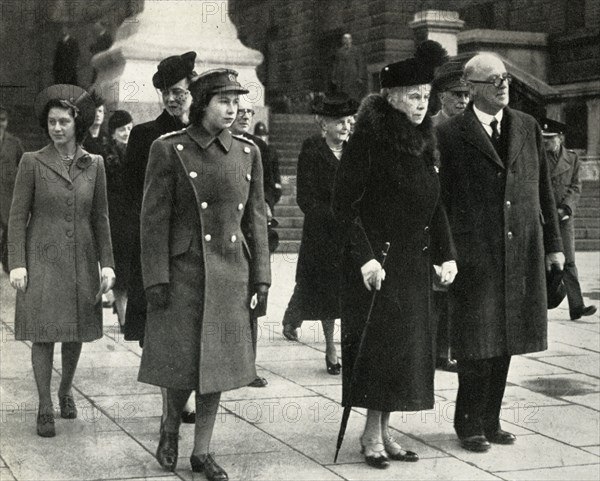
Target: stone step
588 201
587 222
587 244
587 212
290 233
289 247
287 211
587 233
290 222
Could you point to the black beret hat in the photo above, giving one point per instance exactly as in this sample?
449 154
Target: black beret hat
418 70
449 77
260 129
550 127
336 105
172 69
555 287
218 80
73 95
119 118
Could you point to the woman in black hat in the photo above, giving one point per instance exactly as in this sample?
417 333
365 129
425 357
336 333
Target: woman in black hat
120 124
316 294
59 231
96 140
387 190
205 263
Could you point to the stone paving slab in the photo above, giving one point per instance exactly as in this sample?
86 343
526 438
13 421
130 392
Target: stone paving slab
558 473
587 364
589 400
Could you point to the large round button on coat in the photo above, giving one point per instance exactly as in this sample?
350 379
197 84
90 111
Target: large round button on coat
233 238
247 150
240 206
193 174
204 205
179 147
248 177
509 235
207 237
69 233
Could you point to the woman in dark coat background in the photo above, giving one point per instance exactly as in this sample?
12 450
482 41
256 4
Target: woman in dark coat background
316 294
120 124
202 272
59 231
387 190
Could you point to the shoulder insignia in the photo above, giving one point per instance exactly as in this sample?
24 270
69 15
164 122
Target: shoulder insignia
171 134
572 151
243 139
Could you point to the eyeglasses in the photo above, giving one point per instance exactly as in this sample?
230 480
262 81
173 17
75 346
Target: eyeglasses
242 112
496 80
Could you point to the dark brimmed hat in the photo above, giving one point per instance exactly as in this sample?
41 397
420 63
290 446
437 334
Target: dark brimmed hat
336 105
119 118
550 127
72 94
172 69
260 129
218 80
418 70
555 287
449 77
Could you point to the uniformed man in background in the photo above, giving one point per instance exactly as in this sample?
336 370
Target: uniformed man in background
564 171
454 93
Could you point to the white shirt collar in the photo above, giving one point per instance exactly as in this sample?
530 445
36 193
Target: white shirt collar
486 119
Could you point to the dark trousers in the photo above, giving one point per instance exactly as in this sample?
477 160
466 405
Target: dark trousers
570 278
440 301
481 384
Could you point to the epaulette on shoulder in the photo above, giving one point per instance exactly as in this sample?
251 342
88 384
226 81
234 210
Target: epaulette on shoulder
243 139
571 150
171 134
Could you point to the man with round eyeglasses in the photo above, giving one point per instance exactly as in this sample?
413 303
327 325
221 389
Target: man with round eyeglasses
496 187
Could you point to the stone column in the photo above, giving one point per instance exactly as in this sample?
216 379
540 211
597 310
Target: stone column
593 120
171 27
439 25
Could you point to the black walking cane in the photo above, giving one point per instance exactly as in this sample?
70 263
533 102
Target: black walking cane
361 346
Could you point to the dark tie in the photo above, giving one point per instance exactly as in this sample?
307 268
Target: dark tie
495 135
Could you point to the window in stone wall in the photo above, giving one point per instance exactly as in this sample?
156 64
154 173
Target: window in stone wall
576 116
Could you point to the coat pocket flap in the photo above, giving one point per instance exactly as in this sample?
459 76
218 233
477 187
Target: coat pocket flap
180 245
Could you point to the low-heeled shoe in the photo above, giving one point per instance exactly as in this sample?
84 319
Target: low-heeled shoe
167 451
395 451
582 312
333 368
449 365
188 417
477 443
381 461
68 410
259 382
290 333
501 437
209 466
45 425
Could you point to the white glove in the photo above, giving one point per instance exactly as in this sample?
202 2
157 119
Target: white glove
373 274
108 279
448 273
18 278
554 258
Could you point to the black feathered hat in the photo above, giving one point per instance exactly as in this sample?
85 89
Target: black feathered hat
418 70
172 69
336 105
119 118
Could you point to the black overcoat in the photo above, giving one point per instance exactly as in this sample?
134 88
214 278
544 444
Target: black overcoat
317 271
202 195
503 220
387 190
136 160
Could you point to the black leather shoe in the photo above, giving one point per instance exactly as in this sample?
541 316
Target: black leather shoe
290 333
188 417
209 466
167 451
477 443
582 312
395 451
45 424
375 457
446 364
259 382
68 410
501 437
333 368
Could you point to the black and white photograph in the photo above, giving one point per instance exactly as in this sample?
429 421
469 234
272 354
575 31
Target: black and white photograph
310 240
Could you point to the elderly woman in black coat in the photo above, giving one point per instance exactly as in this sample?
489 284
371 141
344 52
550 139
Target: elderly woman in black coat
387 190
316 294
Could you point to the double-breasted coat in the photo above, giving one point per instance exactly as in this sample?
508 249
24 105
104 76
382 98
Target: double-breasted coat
503 219
11 151
134 172
202 195
317 271
59 231
564 174
387 190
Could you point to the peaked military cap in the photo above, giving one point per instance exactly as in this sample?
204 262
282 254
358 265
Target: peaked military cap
260 129
219 80
449 77
550 127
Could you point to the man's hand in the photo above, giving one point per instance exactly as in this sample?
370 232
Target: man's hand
18 278
262 295
108 279
555 258
448 273
373 275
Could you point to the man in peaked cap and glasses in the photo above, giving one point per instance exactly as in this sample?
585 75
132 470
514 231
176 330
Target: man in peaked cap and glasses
564 173
172 78
454 93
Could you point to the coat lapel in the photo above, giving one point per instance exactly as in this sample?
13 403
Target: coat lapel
562 164
517 135
50 158
78 166
474 133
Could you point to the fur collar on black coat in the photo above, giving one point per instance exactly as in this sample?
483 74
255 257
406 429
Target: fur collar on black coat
391 130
